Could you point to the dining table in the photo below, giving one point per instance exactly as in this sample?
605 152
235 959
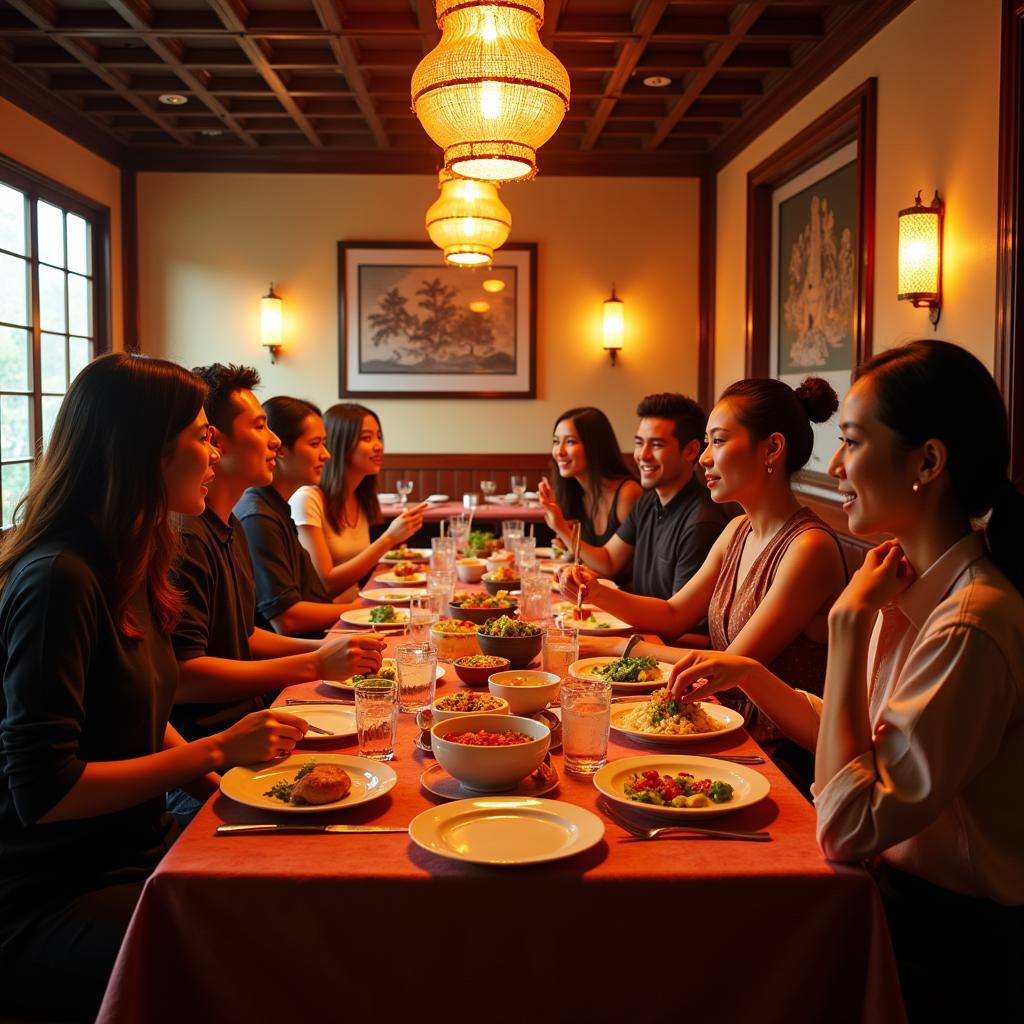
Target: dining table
321 927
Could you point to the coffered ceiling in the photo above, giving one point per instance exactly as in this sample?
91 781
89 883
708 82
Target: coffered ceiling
308 85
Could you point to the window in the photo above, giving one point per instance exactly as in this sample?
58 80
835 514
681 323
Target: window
53 312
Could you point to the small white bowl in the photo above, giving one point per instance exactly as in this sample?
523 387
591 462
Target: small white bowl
440 715
470 569
489 769
499 560
525 699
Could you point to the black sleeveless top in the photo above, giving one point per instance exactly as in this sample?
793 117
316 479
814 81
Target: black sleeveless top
600 539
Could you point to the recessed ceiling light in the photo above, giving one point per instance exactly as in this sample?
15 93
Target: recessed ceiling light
211 133
172 99
494 285
657 81
480 306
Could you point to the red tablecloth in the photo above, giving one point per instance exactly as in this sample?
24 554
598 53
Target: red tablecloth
530 513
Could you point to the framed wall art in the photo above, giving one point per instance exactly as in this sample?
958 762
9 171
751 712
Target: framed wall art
810 225
409 325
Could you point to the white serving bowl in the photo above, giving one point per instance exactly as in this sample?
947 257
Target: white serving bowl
489 769
470 569
499 560
439 715
525 699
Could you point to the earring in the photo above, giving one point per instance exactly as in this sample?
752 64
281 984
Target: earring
915 487
769 467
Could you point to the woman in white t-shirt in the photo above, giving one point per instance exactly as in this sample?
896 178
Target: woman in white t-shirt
919 737
334 519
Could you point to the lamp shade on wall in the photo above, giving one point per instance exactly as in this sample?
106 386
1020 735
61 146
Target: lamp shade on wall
271 321
614 326
920 255
468 221
489 94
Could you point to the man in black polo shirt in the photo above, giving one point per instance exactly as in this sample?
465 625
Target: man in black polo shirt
670 530
226 663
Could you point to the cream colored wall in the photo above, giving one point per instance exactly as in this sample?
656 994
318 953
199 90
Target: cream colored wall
30 142
209 244
937 66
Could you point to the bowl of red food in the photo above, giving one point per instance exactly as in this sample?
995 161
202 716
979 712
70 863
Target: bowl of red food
476 669
467 702
479 607
489 753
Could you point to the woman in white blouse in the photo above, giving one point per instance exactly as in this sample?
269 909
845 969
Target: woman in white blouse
919 737
334 518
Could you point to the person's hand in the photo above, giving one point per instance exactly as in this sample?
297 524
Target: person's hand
574 579
342 657
402 527
552 512
699 674
885 574
261 736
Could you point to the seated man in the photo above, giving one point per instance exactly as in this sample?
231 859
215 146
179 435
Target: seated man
670 530
226 664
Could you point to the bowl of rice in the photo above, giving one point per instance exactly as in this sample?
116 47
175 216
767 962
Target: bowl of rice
663 718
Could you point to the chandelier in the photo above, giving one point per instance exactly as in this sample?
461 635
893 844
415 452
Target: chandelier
468 221
489 94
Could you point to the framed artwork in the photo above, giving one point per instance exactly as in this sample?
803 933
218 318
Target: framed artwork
810 225
409 325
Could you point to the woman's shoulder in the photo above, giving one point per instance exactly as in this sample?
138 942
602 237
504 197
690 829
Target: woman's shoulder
307 497
984 599
60 565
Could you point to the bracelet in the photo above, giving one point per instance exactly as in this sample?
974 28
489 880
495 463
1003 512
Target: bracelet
635 639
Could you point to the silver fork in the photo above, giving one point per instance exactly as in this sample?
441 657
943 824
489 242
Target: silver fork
714 833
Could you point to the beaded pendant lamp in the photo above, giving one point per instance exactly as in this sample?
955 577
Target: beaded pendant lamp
490 94
468 221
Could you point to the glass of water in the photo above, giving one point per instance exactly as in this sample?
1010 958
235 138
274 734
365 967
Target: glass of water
422 617
440 590
377 717
559 649
442 553
526 552
534 595
511 531
519 487
404 488
586 718
417 675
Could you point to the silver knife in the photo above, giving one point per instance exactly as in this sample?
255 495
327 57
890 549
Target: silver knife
234 830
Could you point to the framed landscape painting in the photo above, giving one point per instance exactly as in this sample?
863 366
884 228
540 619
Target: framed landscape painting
411 325
811 222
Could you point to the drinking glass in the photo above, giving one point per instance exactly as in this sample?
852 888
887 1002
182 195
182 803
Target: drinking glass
586 718
458 530
376 717
487 488
440 590
526 552
519 487
470 501
534 595
442 553
417 675
559 649
422 617
511 531
404 488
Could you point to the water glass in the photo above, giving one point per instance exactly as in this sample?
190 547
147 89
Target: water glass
417 675
404 488
442 553
511 531
440 590
470 501
586 719
422 617
559 649
534 595
526 552
377 717
458 530
519 486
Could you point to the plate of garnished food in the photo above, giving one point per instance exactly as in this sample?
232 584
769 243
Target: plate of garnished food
387 670
681 786
309 783
665 720
404 574
383 595
384 616
405 554
639 674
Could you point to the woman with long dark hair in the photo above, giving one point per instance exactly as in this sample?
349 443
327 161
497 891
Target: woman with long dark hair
334 516
591 482
920 736
89 676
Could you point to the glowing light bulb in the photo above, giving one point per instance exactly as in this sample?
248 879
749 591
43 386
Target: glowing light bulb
469 227
488 27
490 100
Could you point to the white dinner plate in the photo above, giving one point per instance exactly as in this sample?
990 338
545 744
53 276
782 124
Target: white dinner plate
390 579
582 669
437 499
349 686
418 555
338 722
361 617
248 785
387 498
396 595
749 786
506 830
730 721
598 623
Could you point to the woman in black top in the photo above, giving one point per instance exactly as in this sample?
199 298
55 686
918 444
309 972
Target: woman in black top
591 482
89 676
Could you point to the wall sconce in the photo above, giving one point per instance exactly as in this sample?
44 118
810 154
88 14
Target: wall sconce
920 256
614 325
271 320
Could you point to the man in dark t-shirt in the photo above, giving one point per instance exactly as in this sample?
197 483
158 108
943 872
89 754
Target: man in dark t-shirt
670 530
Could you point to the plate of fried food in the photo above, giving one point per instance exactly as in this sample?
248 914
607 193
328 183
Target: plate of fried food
309 783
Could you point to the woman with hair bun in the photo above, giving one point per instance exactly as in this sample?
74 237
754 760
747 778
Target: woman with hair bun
920 736
771 577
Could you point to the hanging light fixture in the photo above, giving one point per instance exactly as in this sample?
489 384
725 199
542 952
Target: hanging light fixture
614 325
468 221
271 322
920 256
489 94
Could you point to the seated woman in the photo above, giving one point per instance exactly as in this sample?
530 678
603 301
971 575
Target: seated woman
334 516
591 482
771 577
920 736
89 678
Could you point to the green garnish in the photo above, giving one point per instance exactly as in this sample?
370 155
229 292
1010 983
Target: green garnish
283 790
626 670
508 627
383 613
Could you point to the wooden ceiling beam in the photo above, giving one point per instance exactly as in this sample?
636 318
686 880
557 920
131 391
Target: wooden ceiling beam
426 18
552 18
743 18
233 15
330 17
646 16
44 14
